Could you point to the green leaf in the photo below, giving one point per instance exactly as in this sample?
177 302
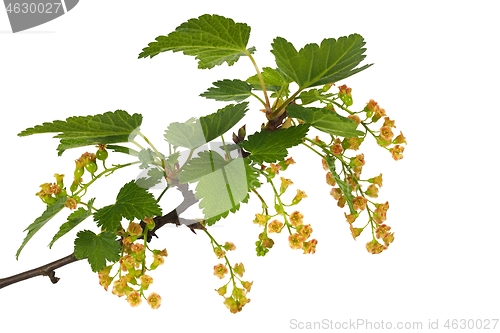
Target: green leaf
314 65
97 248
212 39
155 176
270 147
110 127
344 187
324 120
132 202
252 175
195 133
223 189
172 159
146 156
222 185
46 216
311 96
229 90
206 162
74 219
274 80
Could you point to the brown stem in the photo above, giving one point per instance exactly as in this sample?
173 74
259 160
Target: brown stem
160 221
45 270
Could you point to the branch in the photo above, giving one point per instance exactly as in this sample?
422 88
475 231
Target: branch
160 221
45 270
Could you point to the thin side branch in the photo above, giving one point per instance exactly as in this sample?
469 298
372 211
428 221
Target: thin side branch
45 270
160 221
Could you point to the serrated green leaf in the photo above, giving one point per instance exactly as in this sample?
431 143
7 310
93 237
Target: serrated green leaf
270 147
212 39
188 134
324 120
132 202
252 175
74 219
213 219
228 90
206 163
110 127
274 80
223 189
218 123
46 216
97 248
195 133
314 65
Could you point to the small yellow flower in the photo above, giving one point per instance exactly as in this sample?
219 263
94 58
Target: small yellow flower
154 300
310 247
295 241
284 184
305 230
400 139
359 203
386 133
220 270
298 197
296 218
134 229
239 269
275 226
219 252
397 152
146 280
134 298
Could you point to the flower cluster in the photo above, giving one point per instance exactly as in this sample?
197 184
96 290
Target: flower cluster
50 192
299 233
344 173
131 278
237 299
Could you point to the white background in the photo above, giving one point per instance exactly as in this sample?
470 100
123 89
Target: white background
436 73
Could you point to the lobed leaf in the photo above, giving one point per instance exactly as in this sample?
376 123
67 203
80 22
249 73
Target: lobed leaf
270 147
97 248
74 219
252 178
206 163
79 131
155 176
222 190
314 65
132 202
324 120
274 80
46 216
212 39
229 90
195 133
